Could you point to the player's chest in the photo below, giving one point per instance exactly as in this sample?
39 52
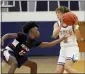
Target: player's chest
67 30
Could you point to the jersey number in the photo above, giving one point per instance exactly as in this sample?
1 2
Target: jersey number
22 52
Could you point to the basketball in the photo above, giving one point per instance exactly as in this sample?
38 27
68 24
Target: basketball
69 18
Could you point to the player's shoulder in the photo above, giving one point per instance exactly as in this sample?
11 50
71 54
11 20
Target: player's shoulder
21 36
56 24
21 33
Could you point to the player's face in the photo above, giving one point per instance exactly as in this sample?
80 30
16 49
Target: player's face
59 15
35 32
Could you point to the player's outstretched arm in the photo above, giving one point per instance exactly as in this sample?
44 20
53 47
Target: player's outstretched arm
8 35
53 43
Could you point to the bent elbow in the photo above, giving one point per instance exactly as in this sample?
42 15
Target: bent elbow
54 37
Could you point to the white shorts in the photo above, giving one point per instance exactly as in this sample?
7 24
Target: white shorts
67 53
6 53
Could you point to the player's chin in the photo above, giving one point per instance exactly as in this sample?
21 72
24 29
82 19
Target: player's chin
38 35
59 19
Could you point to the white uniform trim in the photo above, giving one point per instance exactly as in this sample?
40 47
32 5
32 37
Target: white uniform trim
8 48
15 42
6 53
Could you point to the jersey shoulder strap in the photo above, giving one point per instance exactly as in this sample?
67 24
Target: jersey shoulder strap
58 22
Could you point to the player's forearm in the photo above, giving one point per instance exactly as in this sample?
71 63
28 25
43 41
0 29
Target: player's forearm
4 37
53 43
9 35
56 32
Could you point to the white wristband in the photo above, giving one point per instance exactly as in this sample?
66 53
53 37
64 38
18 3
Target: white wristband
82 39
76 27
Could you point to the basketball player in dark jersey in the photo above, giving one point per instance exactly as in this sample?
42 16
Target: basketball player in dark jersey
15 54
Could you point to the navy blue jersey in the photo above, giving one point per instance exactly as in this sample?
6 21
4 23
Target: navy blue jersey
22 45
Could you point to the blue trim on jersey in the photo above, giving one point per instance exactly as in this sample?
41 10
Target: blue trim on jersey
60 63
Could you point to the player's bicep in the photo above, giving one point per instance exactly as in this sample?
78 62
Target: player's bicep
55 26
55 30
11 35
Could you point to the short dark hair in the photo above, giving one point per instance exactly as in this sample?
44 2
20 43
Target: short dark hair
27 26
63 9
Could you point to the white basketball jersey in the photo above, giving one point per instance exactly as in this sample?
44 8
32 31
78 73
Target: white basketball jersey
71 40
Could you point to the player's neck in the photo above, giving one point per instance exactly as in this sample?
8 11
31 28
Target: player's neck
64 25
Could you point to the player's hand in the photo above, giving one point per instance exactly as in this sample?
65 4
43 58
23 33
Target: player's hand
65 37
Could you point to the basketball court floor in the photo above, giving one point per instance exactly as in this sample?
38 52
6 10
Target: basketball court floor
46 64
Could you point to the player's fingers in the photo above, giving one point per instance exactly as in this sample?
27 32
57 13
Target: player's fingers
66 36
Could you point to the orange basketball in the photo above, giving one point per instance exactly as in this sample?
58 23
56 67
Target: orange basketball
69 18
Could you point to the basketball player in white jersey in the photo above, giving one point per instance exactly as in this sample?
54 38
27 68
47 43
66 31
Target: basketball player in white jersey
69 52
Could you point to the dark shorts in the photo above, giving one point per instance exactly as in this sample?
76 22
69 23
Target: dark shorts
20 59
